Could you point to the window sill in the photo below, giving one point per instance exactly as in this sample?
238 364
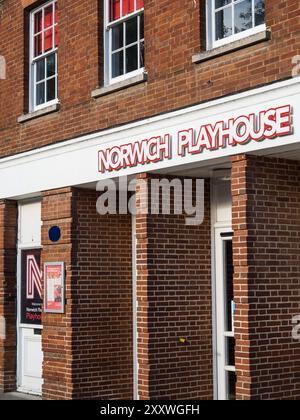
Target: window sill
232 46
131 81
40 113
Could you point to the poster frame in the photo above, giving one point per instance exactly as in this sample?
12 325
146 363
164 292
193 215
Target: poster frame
61 310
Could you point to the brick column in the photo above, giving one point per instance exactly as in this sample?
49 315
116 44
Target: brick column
8 295
59 208
174 303
88 351
266 247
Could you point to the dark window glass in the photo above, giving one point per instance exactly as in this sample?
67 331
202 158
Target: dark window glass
259 12
223 23
38 22
221 3
38 42
40 70
132 58
142 26
142 54
229 285
51 89
243 16
117 37
117 64
51 65
40 94
131 31
231 377
230 350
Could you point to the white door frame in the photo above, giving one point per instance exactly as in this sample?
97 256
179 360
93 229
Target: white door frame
222 235
221 222
19 326
134 311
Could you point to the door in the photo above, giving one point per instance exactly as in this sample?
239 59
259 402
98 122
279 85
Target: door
30 356
225 306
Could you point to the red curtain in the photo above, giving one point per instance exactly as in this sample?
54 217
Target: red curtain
48 33
115 10
139 4
48 39
48 20
128 7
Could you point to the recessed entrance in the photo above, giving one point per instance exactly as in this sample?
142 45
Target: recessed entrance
225 341
29 324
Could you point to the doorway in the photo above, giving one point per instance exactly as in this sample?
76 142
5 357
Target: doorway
225 308
29 319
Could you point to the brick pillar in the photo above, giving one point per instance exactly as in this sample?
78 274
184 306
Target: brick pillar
88 351
59 208
174 303
266 247
8 295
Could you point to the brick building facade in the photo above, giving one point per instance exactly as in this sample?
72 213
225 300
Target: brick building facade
154 308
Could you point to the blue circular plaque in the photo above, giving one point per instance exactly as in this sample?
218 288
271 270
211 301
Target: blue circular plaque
54 234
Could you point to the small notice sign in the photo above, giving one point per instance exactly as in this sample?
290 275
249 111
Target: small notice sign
54 285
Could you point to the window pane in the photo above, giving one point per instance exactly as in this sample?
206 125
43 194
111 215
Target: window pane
38 22
56 36
115 10
128 7
142 54
131 31
51 65
117 37
229 285
243 16
231 386
56 13
259 12
40 93
117 64
51 89
142 26
40 70
48 40
38 49
221 3
48 16
223 23
131 59
230 352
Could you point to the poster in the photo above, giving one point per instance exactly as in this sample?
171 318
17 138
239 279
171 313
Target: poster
31 287
54 287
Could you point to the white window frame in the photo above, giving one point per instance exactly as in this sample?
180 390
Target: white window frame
32 61
222 335
108 79
211 28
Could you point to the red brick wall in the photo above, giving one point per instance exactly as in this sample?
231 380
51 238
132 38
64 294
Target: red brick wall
266 223
8 295
172 36
58 208
174 301
102 317
88 351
